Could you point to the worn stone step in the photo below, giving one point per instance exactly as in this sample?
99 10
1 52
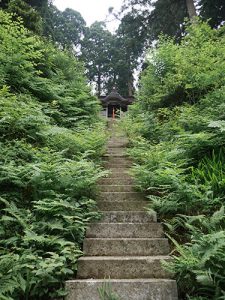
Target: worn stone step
116 161
118 139
124 230
125 247
108 165
122 267
116 153
118 169
116 148
117 144
116 181
115 174
117 188
122 205
121 196
125 289
128 217
119 159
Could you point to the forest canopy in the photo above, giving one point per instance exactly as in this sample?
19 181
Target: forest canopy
122 52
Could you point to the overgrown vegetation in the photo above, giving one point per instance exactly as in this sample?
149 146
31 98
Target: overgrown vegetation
177 138
51 139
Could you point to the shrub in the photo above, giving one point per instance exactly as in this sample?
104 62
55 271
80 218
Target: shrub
51 140
176 132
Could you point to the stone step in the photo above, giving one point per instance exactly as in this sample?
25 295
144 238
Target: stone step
115 174
108 165
116 150
122 205
116 153
122 196
128 217
117 188
118 156
117 144
116 181
118 139
124 230
119 169
122 267
116 159
125 289
125 247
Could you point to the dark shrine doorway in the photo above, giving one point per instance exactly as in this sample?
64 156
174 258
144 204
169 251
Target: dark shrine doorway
113 111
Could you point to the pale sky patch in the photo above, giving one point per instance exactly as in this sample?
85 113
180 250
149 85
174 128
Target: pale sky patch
92 10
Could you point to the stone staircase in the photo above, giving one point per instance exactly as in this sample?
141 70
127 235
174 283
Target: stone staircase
127 246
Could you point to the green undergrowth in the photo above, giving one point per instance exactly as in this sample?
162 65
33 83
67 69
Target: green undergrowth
51 141
176 130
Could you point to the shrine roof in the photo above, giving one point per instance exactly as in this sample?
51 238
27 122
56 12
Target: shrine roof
115 96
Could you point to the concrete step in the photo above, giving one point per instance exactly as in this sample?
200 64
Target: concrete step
117 144
116 139
121 196
122 205
116 181
122 267
116 148
125 247
115 154
108 165
116 159
117 188
128 217
124 173
124 230
125 289
119 169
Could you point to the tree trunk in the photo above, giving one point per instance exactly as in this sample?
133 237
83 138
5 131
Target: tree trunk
99 84
191 8
130 87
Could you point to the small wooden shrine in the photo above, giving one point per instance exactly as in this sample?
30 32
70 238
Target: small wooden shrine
114 105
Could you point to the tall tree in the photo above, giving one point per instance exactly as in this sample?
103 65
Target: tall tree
64 28
213 10
129 39
97 55
191 8
31 11
161 16
31 17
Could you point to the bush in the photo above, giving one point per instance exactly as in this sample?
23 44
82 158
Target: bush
51 140
176 132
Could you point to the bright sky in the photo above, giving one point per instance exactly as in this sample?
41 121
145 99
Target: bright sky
91 10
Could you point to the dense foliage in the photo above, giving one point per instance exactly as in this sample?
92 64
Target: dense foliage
177 131
50 138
